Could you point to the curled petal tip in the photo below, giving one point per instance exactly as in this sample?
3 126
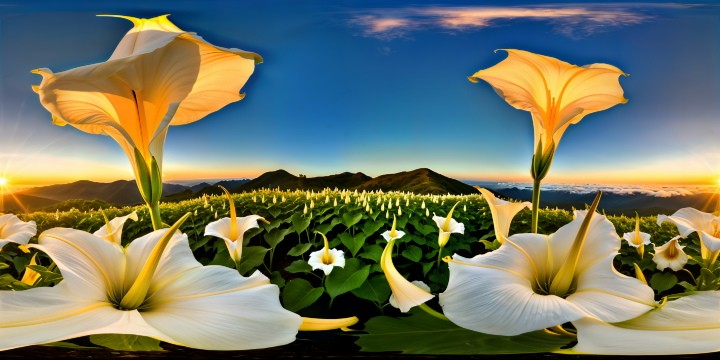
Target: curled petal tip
241 96
472 79
134 20
314 324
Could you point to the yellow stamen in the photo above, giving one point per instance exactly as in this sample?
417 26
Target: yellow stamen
110 230
326 258
446 225
135 297
30 276
639 274
233 215
563 280
314 324
393 231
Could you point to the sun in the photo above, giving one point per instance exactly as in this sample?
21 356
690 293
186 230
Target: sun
717 182
3 182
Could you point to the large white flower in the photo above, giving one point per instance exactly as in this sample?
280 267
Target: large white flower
637 238
326 258
670 255
502 213
154 287
537 281
232 229
446 226
405 294
14 230
707 226
112 230
688 325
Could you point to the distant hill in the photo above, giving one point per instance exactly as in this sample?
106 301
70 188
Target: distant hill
20 203
420 181
121 192
286 181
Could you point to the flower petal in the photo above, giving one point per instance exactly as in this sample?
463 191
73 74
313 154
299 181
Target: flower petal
502 212
688 325
176 259
407 295
688 220
42 315
147 35
605 294
116 225
214 308
12 229
500 302
90 265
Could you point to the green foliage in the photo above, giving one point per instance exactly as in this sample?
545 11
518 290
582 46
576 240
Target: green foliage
126 342
420 333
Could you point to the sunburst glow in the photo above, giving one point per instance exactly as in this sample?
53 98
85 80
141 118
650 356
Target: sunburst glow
3 182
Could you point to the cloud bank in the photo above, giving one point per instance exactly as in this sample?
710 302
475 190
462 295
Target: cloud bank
571 20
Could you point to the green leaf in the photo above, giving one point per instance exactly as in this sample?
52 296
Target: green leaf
299 294
349 219
412 253
3 266
252 257
126 342
299 222
663 281
299 266
353 243
299 249
274 237
277 279
324 228
68 345
372 252
351 277
371 227
421 333
375 289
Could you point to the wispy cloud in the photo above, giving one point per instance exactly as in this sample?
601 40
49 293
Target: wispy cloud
648 190
572 20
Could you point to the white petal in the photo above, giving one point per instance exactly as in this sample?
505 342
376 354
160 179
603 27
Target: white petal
688 325
90 265
116 225
610 296
439 220
338 257
12 229
407 295
711 243
146 36
221 229
601 240
688 220
175 260
214 308
500 302
42 315
456 227
394 302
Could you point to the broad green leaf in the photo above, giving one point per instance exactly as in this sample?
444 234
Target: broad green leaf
324 228
351 277
299 266
275 212
68 345
3 266
300 222
277 279
252 257
375 289
274 237
372 252
299 294
421 333
353 243
371 227
412 253
350 220
126 342
663 281
299 249
272 225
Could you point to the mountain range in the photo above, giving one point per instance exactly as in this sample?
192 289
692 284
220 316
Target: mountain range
125 192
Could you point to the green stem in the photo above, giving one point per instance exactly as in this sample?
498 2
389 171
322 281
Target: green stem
154 209
535 205
432 312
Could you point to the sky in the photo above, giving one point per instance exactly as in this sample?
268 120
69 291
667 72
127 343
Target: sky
381 87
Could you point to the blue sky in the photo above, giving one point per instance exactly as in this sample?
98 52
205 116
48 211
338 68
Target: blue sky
382 87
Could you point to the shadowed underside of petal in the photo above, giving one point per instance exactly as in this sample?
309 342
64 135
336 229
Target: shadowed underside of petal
685 326
89 264
214 308
499 302
12 229
610 296
42 315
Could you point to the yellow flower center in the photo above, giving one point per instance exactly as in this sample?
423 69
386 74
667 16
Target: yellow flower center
671 253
